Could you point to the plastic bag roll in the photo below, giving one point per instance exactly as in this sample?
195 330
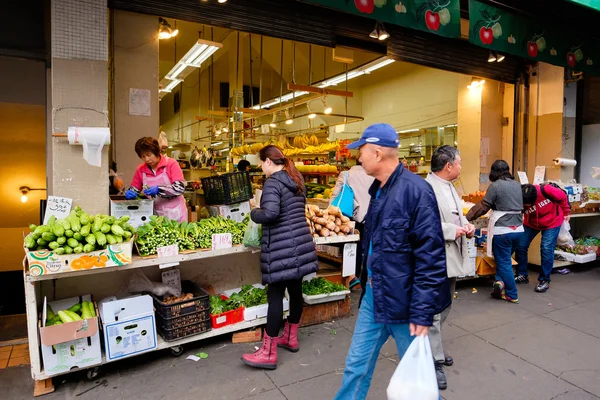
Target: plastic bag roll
565 162
92 140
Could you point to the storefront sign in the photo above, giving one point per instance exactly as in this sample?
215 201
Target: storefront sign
512 33
594 4
441 17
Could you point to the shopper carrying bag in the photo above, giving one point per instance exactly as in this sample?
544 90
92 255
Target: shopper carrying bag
345 200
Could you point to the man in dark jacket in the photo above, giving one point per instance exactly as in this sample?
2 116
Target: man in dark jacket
405 260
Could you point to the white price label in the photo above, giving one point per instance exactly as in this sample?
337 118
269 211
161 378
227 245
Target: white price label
222 241
172 278
523 177
349 259
168 251
60 207
540 175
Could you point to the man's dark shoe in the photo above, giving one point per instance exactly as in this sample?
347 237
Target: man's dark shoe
542 287
448 361
441 377
521 279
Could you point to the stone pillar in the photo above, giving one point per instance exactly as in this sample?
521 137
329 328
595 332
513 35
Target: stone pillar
469 134
545 130
135 55
79 97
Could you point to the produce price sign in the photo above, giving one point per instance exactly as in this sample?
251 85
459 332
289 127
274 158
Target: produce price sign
60 207
172 278
168 251
349 259
222 241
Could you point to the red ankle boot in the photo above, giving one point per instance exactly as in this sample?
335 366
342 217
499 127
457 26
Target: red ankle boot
265 357
289 339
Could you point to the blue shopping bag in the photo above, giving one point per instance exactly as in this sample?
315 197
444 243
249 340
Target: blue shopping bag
345 199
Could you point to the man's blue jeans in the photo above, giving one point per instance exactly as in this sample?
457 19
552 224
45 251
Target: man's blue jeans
367 341
549 238
503 246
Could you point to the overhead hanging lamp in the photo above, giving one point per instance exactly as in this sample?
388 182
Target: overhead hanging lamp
383 35
326 109
492 57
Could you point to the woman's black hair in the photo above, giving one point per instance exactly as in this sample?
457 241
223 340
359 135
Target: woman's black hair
500 170
243 165
530 194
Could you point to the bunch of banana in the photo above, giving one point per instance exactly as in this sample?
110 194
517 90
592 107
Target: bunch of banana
303 141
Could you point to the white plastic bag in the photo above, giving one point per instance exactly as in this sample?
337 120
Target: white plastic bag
139 283
564 236
415 376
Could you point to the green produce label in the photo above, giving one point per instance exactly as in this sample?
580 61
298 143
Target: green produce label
511 33
440 17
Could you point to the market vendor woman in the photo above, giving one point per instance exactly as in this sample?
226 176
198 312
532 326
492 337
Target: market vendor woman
160 178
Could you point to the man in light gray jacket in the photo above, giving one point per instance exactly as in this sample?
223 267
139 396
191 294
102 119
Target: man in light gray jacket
445 167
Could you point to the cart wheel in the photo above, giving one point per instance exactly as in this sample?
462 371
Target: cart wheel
93 373
177 350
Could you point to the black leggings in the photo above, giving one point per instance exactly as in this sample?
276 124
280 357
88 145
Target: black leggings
275 294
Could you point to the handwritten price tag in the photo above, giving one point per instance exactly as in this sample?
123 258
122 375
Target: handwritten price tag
168 251
222 241
172 278
349 259
60 207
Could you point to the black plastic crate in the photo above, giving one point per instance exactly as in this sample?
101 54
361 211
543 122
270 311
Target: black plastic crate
200 302
228 188
185 331
184 320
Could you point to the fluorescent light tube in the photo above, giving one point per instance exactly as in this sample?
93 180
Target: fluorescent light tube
216 143
408 130
172 85
176 71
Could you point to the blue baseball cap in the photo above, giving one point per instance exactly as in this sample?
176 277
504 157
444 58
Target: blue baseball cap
379 134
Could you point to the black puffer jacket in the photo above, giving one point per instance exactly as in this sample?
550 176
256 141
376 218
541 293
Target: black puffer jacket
288 251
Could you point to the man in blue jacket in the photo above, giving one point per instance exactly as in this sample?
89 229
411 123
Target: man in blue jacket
404 257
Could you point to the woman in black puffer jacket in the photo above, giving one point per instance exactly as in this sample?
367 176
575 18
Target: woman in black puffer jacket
287 253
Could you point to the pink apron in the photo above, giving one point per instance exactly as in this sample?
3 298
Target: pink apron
174 208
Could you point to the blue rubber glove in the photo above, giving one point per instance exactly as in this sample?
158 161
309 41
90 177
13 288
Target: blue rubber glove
152 191
130 194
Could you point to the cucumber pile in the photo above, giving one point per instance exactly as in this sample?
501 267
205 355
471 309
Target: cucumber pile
79 233
78 312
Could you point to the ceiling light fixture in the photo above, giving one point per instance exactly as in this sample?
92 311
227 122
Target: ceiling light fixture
273 121
288 120
312 116
362 70
222 1
194 58
216 143
476 83
166 31
375 33
492 57
26 189
408 130
500 57
383 35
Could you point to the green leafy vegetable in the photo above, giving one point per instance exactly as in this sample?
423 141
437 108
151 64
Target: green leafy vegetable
320 285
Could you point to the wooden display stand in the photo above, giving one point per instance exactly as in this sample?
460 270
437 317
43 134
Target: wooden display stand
319 313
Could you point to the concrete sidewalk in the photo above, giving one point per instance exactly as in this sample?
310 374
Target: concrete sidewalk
546 347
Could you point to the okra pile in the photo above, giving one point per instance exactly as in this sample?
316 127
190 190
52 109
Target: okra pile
79 233
161 231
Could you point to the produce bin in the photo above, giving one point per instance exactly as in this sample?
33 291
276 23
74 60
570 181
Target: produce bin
325 298
228 317
260 311
44 262
200 302
185 331
185 320
228 188
70 345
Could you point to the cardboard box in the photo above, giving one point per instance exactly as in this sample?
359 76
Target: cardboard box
236 212
129 326
45 262
71 345
139 211
487 265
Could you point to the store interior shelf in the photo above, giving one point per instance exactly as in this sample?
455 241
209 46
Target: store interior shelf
329 257
581 215
320 173
162 344
562 264
139 262
337 239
